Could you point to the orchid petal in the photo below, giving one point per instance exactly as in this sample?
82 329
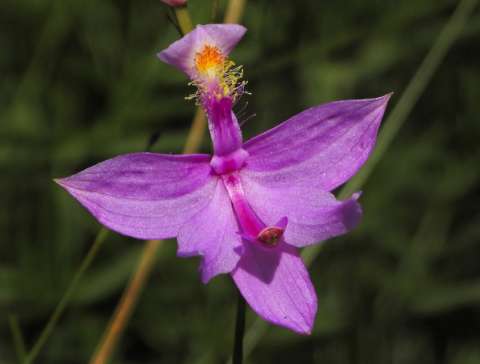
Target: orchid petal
213 234
276 285
144 195
181 53
326 144
313 215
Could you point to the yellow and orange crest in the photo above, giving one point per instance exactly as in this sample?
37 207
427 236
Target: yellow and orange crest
209 59
216 74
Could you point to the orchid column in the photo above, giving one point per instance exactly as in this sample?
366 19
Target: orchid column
249 207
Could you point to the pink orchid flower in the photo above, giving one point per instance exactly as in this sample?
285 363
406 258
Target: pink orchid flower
247 208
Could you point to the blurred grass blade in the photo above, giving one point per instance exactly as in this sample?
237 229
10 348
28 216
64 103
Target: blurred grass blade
98 284
399 114
17 336
413 92
62 305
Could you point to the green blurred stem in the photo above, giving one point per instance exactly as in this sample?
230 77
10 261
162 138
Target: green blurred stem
239 331
413 92
18 341
407 101
45 334
185 24
215 7
400 113
184 19
140 276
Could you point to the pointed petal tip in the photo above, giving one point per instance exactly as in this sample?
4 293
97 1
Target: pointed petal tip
207 273
282 223
304 328
357 195
307 331
66 183
60 182
352 212
387 97
382 100
160 56
204 277
205 280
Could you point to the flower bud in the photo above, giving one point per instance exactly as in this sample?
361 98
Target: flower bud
175 3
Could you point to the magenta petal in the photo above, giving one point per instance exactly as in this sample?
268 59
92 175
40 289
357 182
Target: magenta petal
326 144
213 234
276 285
144 195
181 53
313 215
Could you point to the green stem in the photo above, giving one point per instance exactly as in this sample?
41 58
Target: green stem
215 6
400 113
18 341
413 92
67 296
185 24
239 331
184 19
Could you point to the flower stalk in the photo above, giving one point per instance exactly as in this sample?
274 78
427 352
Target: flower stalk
183 18
140 276
239 330
394 122
234 11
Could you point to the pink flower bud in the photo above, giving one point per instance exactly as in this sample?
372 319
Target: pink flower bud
175 3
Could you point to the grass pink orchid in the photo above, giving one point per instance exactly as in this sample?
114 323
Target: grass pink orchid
247 208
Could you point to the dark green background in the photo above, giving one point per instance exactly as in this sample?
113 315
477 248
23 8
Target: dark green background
79 83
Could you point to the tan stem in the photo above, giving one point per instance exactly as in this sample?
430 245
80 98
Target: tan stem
137 282
196 133
234 11
127 303
184 20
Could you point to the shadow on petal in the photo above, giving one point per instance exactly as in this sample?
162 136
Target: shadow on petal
277 286
262 261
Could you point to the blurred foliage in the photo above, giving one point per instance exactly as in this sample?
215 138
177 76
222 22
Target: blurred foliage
80 83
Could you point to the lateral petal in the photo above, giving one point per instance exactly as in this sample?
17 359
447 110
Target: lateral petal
313 214
144 195
213 234
326 144
276 285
